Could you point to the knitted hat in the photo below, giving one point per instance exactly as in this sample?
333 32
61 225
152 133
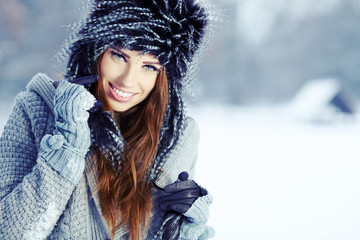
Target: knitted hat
171 30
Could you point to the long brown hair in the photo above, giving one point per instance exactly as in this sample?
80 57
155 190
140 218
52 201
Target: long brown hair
125 196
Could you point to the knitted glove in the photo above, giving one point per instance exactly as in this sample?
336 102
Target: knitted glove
65 150
105 132
71 104
87 81
180 195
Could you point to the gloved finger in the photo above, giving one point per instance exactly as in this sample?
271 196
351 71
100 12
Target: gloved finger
86 100
179 207
180 185
190 193
166 202
81 116
86 80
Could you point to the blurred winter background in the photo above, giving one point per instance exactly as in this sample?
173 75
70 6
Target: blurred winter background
277 103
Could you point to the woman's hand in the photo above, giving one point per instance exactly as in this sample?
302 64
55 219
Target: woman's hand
186 207
72 102
180 195
66 148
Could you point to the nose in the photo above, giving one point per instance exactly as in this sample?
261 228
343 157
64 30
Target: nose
127 76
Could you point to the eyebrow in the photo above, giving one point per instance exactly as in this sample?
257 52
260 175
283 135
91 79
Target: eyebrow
156 63
127 56
118 50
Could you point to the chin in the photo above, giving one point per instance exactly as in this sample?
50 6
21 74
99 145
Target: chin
117 108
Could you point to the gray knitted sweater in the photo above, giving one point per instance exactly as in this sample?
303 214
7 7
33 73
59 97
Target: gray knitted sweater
38 202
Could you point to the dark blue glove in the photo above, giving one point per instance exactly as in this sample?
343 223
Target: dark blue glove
85 81
180 195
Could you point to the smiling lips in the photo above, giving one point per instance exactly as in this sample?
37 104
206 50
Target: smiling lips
120 95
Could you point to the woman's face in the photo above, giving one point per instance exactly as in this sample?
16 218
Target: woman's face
127 77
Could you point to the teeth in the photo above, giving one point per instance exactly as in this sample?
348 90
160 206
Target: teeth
120 93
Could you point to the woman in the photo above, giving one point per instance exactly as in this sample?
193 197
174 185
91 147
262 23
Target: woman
108 153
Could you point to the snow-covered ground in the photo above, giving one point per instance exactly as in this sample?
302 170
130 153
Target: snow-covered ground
275 177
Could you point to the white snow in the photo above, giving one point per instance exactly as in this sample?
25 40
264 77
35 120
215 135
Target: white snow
274 177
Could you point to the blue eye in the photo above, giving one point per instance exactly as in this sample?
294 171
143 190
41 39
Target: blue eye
151 68
118 55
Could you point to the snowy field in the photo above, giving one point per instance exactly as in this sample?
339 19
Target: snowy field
275 177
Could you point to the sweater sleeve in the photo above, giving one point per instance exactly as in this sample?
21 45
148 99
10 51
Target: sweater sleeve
33 195
183 158
194 226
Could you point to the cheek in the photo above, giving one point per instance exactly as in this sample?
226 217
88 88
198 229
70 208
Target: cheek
107 68
149 85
